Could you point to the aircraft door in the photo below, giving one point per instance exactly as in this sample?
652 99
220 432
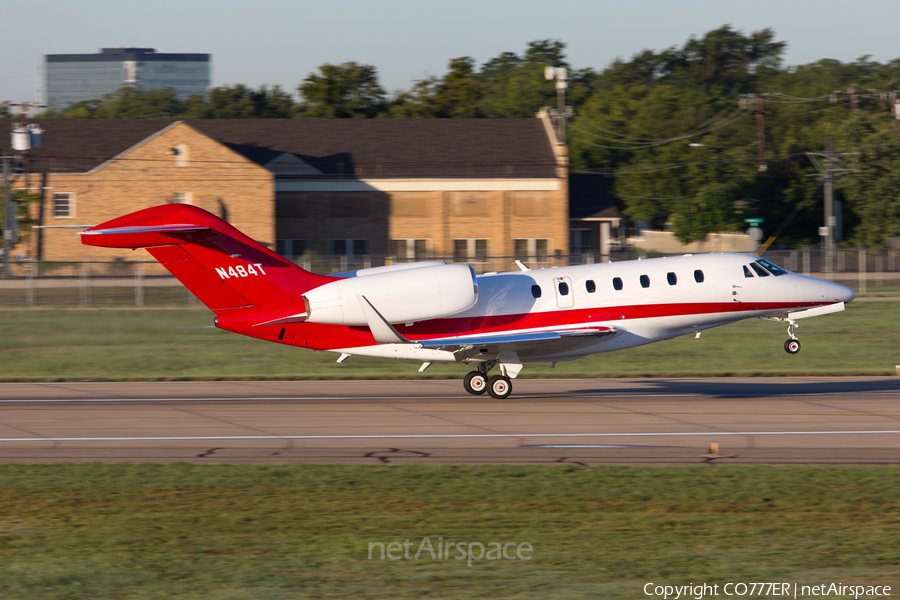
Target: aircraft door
565 293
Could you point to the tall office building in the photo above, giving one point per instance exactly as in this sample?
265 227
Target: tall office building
72 78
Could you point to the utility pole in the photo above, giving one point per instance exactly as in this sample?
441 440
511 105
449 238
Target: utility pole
761 132
9 217
828 168
829 205
759 102
563 112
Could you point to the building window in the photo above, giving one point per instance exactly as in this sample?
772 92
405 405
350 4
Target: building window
531 249
470 249
290 248
590 286
617 284
698 276
645 281
671 278
411 249
63 205
580 241
536 291
349 247
181 198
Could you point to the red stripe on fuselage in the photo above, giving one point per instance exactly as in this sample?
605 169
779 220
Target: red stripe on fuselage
332 337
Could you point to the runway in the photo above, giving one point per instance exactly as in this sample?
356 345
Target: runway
791 420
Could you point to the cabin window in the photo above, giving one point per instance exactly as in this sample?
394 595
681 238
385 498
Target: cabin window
747 272
590 286
645 281
617 284
759 270
772 268
671 278
563 288
698 276
536 291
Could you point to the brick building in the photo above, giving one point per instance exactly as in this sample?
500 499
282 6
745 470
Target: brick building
411 189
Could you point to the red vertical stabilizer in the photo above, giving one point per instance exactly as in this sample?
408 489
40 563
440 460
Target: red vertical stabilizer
223 267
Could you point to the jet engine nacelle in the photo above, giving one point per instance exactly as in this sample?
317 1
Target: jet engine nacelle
401 296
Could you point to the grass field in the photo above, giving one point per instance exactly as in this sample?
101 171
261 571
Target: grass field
119 344
232 532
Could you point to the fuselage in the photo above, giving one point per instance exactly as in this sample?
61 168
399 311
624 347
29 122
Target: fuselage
644 300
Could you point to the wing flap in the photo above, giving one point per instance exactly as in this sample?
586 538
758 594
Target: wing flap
516 338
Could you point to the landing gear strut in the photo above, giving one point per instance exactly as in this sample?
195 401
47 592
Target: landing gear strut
792 346
477 382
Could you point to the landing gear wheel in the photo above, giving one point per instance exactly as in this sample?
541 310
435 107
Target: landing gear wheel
499 387
792 346
475 383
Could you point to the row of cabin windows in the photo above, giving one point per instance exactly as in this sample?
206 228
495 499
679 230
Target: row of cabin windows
618 285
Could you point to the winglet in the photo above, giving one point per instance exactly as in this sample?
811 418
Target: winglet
383 331
521 265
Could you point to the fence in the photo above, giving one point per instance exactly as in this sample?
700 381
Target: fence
147 283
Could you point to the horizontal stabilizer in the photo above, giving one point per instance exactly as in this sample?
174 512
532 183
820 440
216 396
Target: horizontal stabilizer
513 338
141 236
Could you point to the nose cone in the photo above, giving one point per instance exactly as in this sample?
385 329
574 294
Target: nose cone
824 292
840 293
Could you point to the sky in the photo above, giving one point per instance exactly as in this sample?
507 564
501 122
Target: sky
283 41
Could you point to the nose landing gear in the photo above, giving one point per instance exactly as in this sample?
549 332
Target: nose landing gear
792 346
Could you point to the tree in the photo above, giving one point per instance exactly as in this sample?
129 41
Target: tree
241 102
873 192
21 199
346 90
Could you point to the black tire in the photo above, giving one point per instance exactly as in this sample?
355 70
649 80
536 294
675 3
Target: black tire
475 383
792 346
499 387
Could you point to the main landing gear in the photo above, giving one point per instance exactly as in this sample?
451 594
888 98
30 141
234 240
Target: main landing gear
477 382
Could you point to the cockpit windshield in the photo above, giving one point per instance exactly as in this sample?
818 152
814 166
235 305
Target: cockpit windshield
772 267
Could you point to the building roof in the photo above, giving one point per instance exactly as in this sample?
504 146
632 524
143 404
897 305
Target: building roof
79 145
130 54
375 148
336 148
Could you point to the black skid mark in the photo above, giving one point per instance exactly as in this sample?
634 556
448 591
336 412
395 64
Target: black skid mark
394 451
574 462
209 452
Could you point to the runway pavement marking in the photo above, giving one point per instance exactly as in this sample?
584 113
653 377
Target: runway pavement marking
439 436
623 412
535 396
